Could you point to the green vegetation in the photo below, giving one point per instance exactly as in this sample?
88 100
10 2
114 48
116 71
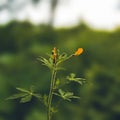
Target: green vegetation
22 43
56 85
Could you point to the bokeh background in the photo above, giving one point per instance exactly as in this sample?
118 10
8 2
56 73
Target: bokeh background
31 28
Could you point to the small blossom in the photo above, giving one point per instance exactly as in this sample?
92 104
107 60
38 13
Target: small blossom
78 52
54 53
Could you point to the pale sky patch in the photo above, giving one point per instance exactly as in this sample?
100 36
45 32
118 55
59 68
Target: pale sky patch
102 14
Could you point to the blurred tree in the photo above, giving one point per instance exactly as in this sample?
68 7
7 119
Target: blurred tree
53 8
15 6
8 4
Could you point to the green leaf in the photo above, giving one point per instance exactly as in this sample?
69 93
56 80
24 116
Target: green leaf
57 83
77 97
16 96
54 110
23 90
26 99
72 77
60 68
32 88
48 63
66 95
61 58
80 80
45 100
56 94
37 96
51 61
61 92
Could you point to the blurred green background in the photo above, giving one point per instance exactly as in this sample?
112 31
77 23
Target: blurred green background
21 43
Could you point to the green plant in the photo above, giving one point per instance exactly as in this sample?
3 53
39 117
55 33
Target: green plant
53 63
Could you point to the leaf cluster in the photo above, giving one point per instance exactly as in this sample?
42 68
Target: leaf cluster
50 61
24 95
66 95
72 78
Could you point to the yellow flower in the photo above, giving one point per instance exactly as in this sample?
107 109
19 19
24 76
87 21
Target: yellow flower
78 52
54 53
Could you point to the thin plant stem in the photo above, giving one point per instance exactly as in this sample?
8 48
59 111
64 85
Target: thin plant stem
51 92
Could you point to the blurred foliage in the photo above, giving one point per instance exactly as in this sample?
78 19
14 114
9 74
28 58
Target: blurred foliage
22 43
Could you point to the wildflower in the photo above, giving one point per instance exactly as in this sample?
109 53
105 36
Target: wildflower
78 52
54 53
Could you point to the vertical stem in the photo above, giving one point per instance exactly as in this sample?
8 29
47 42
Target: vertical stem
51 93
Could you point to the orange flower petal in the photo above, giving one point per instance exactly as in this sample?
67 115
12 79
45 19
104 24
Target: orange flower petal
78 52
